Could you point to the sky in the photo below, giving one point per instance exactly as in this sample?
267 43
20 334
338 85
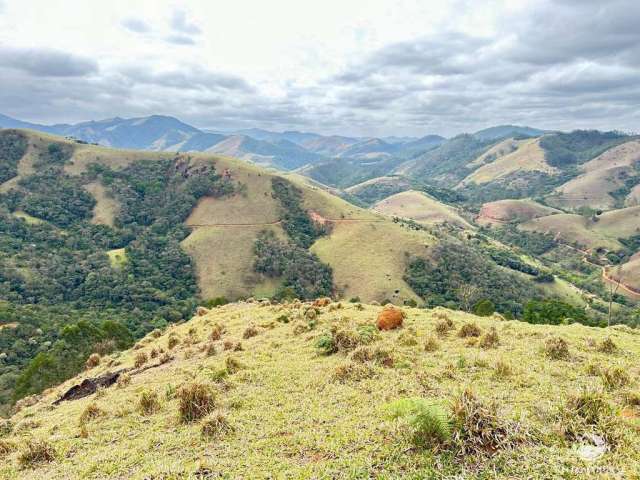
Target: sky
351 67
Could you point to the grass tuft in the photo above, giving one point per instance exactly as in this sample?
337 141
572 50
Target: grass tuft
148 402
429 422
215 424
195 401
557 348
36 452
469 330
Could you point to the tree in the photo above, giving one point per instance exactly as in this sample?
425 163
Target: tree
468 293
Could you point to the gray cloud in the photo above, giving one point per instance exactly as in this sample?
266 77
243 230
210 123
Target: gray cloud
44 62
560 64
180 23
135 25
179 39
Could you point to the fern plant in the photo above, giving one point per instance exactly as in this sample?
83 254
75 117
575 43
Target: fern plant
430 422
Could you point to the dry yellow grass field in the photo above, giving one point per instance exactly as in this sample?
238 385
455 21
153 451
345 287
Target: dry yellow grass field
420 207
528 157
284 410
507 211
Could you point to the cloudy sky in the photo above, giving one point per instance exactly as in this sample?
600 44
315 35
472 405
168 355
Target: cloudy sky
358 67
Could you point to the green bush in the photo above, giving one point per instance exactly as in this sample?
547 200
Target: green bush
484 308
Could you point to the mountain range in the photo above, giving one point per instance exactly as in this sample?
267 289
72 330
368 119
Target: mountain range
287 150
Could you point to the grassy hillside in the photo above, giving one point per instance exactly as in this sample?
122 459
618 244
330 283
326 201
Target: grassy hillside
519 401
527 157
507 211
421 208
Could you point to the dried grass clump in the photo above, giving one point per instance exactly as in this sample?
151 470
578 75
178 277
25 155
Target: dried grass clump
91 412
210 349
172 341
250 331
124 379
490 339
378 355
140 359
469 330
614 377
345 339
480 430
408 338
165 358
351 371
443 327
588 413
93 361
216 332
35 452
557 348
196 400
232 365
607 346
215 424
6 448
230 345
157 333
431 344
148 402
502 369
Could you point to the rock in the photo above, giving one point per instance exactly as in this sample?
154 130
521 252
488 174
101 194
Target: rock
390 318
591 452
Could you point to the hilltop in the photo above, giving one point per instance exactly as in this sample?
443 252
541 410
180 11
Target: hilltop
302 391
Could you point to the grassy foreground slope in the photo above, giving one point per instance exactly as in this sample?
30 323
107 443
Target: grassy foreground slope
279 408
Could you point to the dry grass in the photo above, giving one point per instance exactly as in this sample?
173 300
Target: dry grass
490 339
141 359
148 402
557 348
215 424
35 452
196 401
469 330
93 361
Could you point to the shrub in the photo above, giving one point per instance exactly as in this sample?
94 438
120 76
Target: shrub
93 361
148 402
429 422
490 339
140 359
215 424
172 341
557 348
431 344
479 429
607 346
36 451
196 401
614 377
390 318
484 308
469 330
250 331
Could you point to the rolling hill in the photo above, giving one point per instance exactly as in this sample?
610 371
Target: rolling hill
421 208
238 389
